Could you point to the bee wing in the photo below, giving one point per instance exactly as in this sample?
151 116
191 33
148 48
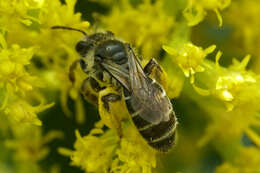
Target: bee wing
155 105
118 72
136 73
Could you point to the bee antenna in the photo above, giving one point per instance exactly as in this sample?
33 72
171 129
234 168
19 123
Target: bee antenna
68 28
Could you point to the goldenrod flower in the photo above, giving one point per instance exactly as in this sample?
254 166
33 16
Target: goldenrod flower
246 29
17 83
103 151
12 67
94 154
190 58
30 144
234 86
196 10
246 161
17 11
135 154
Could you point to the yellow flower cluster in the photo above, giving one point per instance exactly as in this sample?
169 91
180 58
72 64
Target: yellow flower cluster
29 144
97 160
196 10
190 58
241 163
18 84
234 86
246 29
37 17
104 151
26 41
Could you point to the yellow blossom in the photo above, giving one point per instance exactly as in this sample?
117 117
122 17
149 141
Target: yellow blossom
134 153
97 160
246 37
17 83
17 11
29 146
238 89
128 154
189 58
93 153
62 44
53 49
196 10
21 111
12 68
29 143
235 85
27 42
247 161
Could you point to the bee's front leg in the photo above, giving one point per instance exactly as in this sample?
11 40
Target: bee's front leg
156 72
72 69
90 89
111 109
109 98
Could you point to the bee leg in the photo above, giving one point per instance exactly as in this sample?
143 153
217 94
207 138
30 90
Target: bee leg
155 71
90 89
110 98
110 109
106 100
73 67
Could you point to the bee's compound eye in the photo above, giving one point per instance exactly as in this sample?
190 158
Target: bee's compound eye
82 47
83 65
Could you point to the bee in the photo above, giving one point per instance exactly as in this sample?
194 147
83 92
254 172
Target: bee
108 61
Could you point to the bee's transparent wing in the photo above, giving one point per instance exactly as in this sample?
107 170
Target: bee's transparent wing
155 105
118 72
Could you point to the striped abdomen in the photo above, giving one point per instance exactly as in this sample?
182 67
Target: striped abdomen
160 136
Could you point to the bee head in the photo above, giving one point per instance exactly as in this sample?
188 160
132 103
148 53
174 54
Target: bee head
87 49
98 41
82 47
90 41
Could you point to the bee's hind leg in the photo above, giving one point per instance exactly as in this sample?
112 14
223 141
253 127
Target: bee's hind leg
110 109
155 71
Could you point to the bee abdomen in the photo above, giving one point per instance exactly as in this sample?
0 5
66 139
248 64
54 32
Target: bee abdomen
165 144
160 136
